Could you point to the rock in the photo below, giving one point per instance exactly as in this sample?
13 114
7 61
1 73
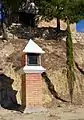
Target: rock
15 37
1 36
15 24
10 36
64 38
45 33
73 39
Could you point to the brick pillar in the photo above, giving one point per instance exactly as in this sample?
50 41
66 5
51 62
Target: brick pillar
32 92
23 91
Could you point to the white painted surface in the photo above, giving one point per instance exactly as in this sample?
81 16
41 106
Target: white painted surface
35 110
34 69
32 47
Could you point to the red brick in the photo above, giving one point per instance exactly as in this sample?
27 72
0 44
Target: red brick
32 90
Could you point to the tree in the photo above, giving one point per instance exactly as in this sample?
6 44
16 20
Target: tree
52 9
13 4
7 6
70 11
2 20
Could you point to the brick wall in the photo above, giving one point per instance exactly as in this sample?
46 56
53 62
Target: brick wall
32 90
23 91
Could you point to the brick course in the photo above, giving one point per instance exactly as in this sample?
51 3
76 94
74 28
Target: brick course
32 89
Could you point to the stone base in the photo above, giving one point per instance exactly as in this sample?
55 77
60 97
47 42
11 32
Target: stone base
34 110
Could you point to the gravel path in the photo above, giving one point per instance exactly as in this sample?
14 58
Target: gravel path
69 112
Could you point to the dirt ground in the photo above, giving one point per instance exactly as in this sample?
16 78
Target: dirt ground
62 112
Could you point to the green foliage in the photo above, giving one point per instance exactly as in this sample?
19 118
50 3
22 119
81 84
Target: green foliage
70 64
72 9
13 4
69 47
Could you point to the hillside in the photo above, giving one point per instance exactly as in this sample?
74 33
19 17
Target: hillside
54 60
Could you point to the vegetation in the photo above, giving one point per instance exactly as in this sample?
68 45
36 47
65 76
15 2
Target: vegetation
8 7
12 4
60 9
52 9
70 11
70 64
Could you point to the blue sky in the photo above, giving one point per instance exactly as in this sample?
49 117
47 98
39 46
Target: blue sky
80 26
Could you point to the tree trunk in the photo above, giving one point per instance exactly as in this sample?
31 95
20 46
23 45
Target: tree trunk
58 25
70 64
5 36
3 26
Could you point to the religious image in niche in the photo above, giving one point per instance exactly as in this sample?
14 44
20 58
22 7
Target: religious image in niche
33 59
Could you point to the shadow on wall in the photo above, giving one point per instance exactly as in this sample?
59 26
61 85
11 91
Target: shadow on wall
51 87
23 92
7 94
27 19
79 68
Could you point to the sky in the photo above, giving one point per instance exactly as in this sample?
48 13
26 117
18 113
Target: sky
80 26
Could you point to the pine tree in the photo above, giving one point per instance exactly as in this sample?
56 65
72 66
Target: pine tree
60 9
52 9
70 11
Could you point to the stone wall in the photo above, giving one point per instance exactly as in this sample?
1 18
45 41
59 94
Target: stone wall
53 24
78 37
